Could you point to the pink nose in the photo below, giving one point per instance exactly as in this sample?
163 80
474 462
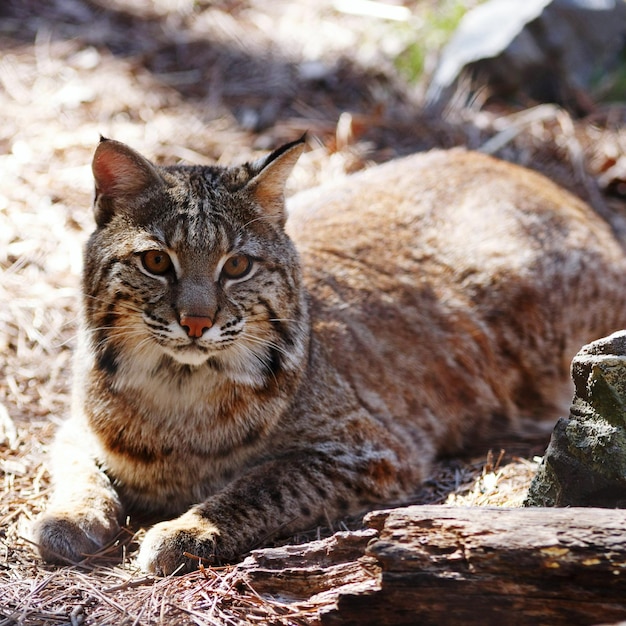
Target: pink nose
195 326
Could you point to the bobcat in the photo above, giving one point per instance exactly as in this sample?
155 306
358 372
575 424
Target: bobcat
240 374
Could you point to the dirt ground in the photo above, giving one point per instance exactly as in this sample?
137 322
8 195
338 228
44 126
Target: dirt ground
204 82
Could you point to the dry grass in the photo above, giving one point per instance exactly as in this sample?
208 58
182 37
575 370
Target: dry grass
201 82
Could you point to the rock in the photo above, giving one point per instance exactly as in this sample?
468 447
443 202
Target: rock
549 50
585 463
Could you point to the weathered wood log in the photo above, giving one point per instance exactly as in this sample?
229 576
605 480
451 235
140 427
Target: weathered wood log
451 565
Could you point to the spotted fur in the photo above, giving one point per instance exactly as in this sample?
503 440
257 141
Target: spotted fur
427 297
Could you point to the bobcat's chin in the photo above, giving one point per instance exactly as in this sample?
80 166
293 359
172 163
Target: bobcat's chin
188 355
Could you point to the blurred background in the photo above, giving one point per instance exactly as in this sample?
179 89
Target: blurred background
538 82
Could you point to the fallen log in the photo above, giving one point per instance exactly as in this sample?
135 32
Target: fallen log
452 565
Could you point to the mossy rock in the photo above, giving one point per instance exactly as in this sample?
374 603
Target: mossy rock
585 463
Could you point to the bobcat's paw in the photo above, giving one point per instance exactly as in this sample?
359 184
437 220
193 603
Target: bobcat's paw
63 536
163 549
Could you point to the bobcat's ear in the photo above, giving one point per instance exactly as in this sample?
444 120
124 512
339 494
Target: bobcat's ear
120 174
268 186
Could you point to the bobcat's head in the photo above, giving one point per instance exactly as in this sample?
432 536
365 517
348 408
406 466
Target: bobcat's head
190 267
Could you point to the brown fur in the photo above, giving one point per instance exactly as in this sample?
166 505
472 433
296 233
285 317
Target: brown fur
438 293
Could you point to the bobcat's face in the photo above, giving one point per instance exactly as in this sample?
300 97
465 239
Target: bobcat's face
195 277
202 314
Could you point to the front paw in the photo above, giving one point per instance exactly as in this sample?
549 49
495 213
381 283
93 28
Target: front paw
65 537
164 547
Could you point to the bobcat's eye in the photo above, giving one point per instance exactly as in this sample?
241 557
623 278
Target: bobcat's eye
156 262
237 266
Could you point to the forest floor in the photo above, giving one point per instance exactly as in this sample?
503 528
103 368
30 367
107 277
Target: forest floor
205 82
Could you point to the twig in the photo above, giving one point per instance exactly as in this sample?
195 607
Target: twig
370 8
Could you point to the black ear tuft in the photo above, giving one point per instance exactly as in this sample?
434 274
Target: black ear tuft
268 186
276 154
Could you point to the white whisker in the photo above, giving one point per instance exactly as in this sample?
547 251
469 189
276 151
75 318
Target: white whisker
264 343
262 359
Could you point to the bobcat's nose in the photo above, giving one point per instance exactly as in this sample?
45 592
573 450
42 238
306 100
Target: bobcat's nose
194 326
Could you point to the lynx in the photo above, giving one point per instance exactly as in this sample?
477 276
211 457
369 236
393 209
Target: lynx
244 370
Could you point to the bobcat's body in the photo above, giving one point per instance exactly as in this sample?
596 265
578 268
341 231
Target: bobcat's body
437 293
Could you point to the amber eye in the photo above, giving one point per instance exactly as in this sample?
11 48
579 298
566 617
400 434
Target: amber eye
237 266
156 262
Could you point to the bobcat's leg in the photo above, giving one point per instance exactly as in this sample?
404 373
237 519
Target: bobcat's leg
85 511
283 495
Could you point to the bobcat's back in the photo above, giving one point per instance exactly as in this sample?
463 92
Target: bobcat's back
451 287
